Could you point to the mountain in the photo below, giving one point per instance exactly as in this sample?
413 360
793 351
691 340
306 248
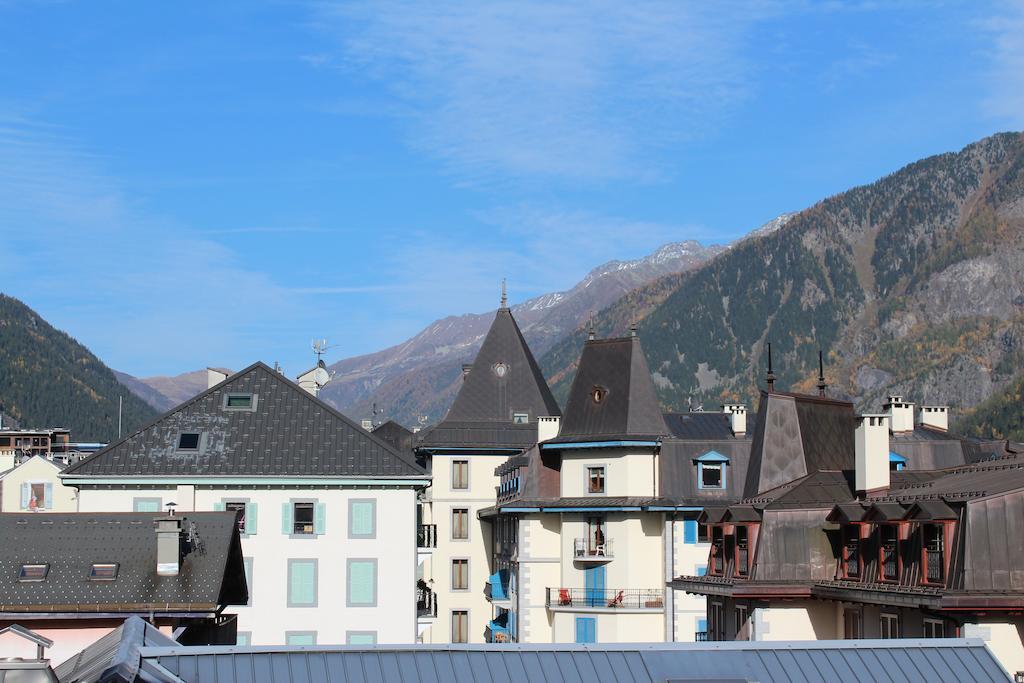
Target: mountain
910 285
47 379
415 381
164 393
1000 417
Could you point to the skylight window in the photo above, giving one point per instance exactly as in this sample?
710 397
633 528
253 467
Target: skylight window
33 572
188 441
103 571
240 402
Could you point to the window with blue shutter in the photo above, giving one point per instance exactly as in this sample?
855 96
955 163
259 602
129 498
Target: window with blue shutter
362 518
243 638
300 638
586 630
26 493
361 638
218 506
286 518
146 504
690 532
362 583
250 518
248 577
320 519
702 570
302 583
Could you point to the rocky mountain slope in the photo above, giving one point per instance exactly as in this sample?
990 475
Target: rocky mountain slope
166 392
910 285
47 379
415 382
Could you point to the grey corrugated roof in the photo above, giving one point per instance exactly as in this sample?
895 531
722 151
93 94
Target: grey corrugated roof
290 433
629 404
71 542
956 661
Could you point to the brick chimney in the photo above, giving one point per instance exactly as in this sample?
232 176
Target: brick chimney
871 441
936 417
168 545
737 414
901 414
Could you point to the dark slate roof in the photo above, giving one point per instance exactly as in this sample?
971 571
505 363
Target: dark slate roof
210 576
629 405
486 401
290 433
955 661
400 438
677 471
706 426
115 656
547 504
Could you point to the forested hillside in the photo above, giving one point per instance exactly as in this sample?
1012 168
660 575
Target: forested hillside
47 379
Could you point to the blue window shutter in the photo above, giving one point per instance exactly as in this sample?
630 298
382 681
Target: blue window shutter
25 494
690 531
250 517
702 625
218 506
361 518
48 497
362 583
243 639
302 583
586 630
247 564
286 518
580 630
320 518
702 570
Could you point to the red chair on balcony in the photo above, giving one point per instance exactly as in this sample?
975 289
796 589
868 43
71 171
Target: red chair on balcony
563 596
617 600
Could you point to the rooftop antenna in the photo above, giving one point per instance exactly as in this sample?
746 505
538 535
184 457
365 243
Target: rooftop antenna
504 294
771 375
320 375
821 376
591 334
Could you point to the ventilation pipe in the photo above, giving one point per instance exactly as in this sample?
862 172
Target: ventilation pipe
737 414
872 448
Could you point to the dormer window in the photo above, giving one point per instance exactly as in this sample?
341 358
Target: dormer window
716 566
711 470
33 572
888 553
520 418
851 551
742 550
934 552
188 441
896 461
103 571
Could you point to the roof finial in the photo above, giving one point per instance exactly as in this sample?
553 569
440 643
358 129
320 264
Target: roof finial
591 333
632 328
771 375
504 294
821 376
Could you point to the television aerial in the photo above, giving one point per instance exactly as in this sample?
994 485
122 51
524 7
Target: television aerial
321 376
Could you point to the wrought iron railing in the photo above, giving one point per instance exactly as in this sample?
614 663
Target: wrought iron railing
743 561
701 636
426 536
615 598
934 568
426 603
585 548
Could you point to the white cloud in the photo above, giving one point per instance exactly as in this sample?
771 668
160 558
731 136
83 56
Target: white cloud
1005 32
580 90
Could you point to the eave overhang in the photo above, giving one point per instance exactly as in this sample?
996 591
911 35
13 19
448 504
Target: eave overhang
244 481
598 444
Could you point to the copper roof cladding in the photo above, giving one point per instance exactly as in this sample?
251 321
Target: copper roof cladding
288 433
796 435
504 379
626 405
71 542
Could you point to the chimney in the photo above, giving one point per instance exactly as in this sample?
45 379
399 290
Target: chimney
901 414
737 414
547 427
214 377
168 544
936 417
872 447
466 367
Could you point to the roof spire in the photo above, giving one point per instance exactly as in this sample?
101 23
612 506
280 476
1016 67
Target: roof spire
821 376
771 375
591 333
632 328
504 294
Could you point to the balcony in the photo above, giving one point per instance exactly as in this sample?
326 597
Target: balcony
701 636
587 599
426 536
499 629
497 588
586 551
426 603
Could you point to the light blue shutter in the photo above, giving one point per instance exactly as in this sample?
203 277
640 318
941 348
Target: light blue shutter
362 639
361 519
320 518
362 582
702 570
218 507
247 563
250 518
26 492
702 626
286 518
690 531
586 630
243 639
302 584
301 639
48 497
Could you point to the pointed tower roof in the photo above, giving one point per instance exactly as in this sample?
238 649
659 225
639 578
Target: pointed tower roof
503 381
612 395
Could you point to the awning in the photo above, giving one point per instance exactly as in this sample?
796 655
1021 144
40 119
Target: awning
930 510
886 512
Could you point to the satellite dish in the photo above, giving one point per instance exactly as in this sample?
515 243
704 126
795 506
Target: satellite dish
321 377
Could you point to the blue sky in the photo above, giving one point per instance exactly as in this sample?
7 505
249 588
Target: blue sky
192 184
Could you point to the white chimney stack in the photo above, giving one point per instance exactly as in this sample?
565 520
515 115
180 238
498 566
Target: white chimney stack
936 417
901 414
872 447
214 377
737 413
547 427
168 545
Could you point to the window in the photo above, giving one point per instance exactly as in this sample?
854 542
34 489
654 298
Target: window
851 551
852 624
146 504
595 479
5 442
742 614
239 401
361 638
711 470
888 553
103 571
717 551
690 531
896 462
247 563
597 394
362 518
742 550
520 418
302 522
889 625
238 507
38 495
460 575
703 533
716 621
460 626
934 628
188 441
597 544
934 553
302 583
460 474
33 572
362 583
586 630
460 523
300 638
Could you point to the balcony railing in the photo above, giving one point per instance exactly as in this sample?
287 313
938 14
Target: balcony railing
426 603
701 636
426 536
616 598
586 549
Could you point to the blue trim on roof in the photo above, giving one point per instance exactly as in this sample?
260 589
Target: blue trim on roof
896 457
520 509
611 508
712 456
596 444
475 449
675 508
